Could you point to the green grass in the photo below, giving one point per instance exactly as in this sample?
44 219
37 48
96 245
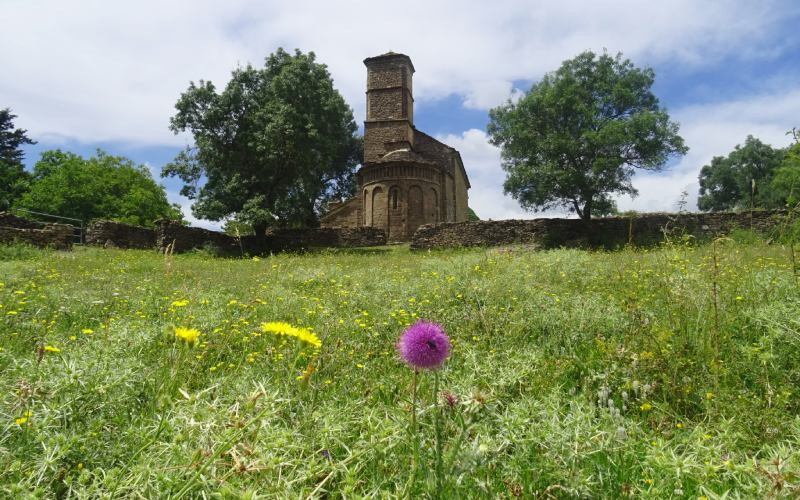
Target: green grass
577 374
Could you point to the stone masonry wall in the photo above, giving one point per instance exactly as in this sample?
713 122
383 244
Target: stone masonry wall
610 232
115 234
276 240
347 214
279 240
11 220
188 238
58 236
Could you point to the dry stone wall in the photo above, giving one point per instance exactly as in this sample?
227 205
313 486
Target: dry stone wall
114 234
187 238
276 240
610 232
11 220
279 240
58 236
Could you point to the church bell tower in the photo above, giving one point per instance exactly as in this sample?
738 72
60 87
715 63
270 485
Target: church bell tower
390 106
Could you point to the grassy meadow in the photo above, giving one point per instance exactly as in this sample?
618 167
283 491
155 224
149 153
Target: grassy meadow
671 373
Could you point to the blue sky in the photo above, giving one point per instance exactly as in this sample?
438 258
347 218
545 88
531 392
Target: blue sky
83 75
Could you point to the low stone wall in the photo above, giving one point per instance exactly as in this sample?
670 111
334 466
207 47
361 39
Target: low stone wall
188 238
115 234
279 240
11 220
276 240
58 236
609 232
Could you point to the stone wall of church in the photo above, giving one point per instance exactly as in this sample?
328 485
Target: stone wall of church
400 206
383 137
346 214
461 197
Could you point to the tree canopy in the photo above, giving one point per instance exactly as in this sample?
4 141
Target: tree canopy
13 177
103 186
744 178
576 137
785 183
271 147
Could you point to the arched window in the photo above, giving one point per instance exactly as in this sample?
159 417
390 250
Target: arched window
393 195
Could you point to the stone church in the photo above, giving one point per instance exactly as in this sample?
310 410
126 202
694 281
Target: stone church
408 178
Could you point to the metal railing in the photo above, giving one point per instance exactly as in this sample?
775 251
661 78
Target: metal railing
79 227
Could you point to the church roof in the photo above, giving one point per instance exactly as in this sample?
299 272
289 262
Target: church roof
388 56
440 149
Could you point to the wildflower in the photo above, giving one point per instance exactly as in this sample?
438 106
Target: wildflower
24 418
49 348
306 373
302 334
188 335
87 331
451 399
646 407
180 303
424 345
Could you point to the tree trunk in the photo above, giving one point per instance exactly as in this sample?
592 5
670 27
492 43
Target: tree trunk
586 214
591 234
260 229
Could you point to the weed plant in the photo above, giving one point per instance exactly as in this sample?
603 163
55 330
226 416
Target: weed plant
670 372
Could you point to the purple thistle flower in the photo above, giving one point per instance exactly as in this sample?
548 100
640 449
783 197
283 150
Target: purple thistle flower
424 345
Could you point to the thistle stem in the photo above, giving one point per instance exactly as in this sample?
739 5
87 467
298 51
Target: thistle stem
415 459
436 423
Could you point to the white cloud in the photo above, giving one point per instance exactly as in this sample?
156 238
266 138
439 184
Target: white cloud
709 130
714 130
93 70
96 71
186 208
482 162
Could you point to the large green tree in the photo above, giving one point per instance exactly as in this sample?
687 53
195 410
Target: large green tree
576 137
785 183
271 147
742 179
13 177
100 187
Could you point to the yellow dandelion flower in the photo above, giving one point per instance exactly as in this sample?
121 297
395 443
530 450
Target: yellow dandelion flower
180 303
49 348
87 331
282 328
646 407
188 335
21 420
